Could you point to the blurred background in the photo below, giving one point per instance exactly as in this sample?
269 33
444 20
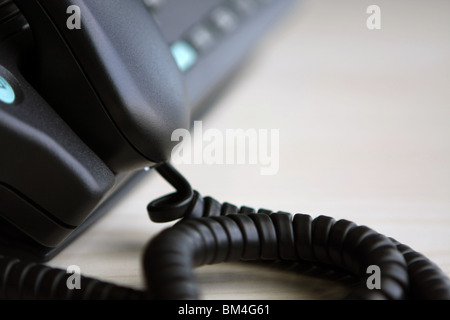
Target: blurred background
364 123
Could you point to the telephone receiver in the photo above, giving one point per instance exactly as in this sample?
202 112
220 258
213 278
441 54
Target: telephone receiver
92 104
84 110
113 80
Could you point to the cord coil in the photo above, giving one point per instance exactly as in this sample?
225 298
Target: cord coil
342 245
20 280
210 232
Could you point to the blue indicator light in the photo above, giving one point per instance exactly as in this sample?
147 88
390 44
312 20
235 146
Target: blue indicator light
7 94
184 55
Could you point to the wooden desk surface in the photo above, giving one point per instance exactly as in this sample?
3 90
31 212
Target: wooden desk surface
364 122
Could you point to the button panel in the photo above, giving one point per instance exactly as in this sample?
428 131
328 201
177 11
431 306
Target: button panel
221 21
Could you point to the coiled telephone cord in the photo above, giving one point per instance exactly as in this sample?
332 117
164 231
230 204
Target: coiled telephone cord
209 232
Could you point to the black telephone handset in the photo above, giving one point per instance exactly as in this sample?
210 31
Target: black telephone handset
84 109
94 103
113 80
90 105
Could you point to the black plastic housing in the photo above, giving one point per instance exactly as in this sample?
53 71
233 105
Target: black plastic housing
64 161
113 80
50 181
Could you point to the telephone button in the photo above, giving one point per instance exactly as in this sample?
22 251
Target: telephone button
7 94
245 7
201 38
224 19
184 54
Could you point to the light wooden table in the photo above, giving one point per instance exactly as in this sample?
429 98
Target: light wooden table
364 122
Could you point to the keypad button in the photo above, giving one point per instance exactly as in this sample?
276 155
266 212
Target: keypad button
224 19
7 94
201 38
184 54
245 7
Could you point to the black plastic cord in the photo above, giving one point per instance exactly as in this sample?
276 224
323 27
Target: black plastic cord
20 280
210 232
171 257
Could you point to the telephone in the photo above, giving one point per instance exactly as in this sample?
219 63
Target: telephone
94 106
86 107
